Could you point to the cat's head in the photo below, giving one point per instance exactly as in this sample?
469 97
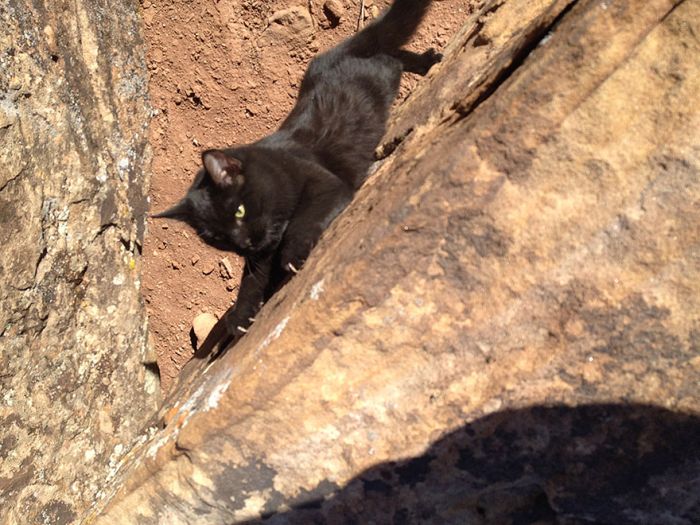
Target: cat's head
229 206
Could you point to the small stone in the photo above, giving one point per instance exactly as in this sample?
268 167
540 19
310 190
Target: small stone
225 269
374 11
334 12
175 265
195 260
208 270
202 325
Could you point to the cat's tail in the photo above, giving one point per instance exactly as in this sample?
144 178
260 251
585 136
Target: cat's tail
391 30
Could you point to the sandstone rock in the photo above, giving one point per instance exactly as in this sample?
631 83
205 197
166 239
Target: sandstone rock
488 45
202 325
73 152
504 324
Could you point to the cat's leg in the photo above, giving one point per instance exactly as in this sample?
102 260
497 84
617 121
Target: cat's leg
419 63
235 322
322 200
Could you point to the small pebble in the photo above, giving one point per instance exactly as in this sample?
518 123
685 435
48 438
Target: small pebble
225 268
334 11
202 325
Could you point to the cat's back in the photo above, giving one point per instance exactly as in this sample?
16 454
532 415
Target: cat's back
342 110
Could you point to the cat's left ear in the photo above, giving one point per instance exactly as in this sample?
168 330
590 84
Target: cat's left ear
224 170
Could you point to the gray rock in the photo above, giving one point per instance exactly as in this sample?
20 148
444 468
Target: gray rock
73 153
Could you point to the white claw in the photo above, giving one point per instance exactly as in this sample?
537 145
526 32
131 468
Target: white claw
242 329
292 268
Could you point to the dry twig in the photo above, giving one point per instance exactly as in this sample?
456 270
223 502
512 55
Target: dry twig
312 12
361 20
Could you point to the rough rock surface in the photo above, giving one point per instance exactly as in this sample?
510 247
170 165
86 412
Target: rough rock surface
502 328
73 387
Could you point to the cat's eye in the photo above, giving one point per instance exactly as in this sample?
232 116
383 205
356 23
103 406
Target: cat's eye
240 212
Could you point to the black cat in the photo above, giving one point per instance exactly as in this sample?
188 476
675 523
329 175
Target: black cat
271 200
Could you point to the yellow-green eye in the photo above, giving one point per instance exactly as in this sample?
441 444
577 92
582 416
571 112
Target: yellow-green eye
240 212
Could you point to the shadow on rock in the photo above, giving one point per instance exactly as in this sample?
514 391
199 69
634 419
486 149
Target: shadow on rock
612 464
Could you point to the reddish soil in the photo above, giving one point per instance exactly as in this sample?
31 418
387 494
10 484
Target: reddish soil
221 74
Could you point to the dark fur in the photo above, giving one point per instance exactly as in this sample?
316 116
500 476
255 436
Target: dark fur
294 182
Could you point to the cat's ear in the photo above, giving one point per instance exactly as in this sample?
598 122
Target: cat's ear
181 211
224 170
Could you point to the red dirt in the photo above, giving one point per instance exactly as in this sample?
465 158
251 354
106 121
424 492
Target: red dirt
221 76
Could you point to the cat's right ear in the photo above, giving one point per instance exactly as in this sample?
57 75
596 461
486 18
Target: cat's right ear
224 170
181 211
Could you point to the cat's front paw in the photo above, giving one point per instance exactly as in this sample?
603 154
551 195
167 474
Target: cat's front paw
294 255
236 327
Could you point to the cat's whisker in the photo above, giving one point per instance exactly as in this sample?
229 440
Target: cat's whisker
251 264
